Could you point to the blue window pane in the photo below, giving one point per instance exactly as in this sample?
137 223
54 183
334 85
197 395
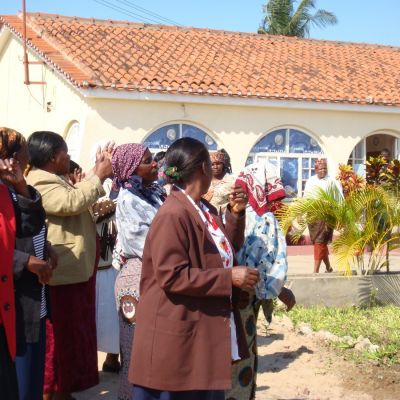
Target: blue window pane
274 141
306 163
289 175
196 133
299 142
313 161
163 137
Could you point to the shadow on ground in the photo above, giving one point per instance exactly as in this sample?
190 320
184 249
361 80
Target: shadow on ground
278 361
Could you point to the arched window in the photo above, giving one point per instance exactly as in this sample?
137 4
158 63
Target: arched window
293 153
372 146
163 137
73 139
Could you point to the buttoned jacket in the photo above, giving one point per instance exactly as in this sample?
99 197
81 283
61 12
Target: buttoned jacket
182 337
19 217
71 229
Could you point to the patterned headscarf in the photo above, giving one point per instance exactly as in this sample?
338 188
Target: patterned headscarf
223 157
125 159
262 184
10 142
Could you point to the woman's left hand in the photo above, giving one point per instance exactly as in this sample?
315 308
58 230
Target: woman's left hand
238 199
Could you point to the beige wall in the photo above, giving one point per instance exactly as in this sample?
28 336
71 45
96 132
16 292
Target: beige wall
25 108
236 128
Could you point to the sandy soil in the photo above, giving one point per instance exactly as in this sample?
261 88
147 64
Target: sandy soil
298 367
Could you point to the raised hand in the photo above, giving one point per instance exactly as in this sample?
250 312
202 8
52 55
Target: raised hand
12 175
103 167
238 199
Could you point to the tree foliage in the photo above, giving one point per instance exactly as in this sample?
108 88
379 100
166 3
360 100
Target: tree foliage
366 220
281 18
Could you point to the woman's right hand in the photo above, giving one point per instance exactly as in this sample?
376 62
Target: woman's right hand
245 277
103 167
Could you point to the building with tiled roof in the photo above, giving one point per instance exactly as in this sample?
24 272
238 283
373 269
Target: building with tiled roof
289 100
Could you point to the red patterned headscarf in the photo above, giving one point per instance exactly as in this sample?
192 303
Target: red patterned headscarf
125 159
263 186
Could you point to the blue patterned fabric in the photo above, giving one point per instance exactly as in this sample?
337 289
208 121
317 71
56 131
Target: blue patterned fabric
265 249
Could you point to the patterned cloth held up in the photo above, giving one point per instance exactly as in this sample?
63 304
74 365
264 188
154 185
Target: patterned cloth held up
265 249
262 185
125 159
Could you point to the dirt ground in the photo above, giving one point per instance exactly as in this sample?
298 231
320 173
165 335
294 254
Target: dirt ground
298 367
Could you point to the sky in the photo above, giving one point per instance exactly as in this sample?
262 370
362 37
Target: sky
359 20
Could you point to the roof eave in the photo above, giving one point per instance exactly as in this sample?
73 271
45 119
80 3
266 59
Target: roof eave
299 104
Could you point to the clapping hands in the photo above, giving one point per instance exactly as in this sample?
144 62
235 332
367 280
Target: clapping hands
103 167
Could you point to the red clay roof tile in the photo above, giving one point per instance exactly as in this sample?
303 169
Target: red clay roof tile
130 56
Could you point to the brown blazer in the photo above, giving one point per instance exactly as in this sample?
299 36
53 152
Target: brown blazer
182 334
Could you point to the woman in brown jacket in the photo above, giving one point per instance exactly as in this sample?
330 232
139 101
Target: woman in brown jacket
188 331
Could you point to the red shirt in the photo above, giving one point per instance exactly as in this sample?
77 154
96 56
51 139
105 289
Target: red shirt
7 243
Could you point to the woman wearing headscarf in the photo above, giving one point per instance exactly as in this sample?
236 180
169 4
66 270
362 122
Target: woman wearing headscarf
222 181
139 198
21 216
264 249
72 232
30 254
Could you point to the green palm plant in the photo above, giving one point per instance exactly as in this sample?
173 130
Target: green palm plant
281 18
365 220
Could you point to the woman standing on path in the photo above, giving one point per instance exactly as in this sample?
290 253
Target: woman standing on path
320 234
139 199
186 335
72 231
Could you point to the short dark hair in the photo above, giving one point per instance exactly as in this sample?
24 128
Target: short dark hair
159 156
42 145
73 165
183 158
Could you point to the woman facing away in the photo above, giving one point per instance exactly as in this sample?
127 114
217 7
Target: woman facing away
138 201
188 328
264 249
72 232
